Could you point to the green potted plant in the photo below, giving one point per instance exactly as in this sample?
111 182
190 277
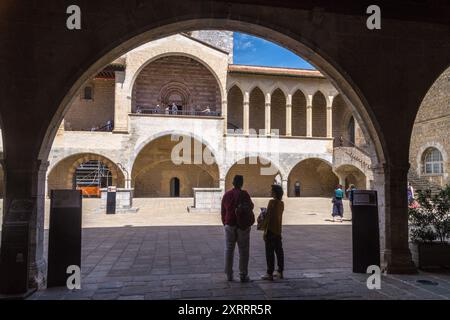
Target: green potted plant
429 221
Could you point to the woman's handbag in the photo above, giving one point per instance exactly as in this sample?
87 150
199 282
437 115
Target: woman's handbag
261 218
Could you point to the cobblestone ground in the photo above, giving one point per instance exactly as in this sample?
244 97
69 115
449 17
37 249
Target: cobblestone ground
162 252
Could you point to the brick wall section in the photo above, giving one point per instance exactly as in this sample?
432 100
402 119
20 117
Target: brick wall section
86 114
432 127
257 110
278 112
201 85
315 177
299 114
319 116
235 108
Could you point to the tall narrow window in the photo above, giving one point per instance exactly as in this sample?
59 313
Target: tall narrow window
433 163
87 93
351 130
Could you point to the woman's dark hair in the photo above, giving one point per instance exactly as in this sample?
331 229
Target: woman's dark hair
278 191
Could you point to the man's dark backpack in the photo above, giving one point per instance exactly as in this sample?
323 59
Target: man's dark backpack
245 217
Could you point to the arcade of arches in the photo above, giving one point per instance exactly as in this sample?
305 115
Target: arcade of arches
364 76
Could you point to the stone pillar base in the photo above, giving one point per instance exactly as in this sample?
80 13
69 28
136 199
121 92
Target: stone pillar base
37 278
399 262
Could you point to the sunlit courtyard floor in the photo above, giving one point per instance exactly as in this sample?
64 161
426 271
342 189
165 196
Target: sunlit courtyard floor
164 252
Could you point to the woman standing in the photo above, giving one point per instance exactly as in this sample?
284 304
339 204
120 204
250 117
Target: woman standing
272 233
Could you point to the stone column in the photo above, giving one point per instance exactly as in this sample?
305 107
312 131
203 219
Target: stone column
246 113
309 99
24 203
267 114
122 104
289 115
61 128
330 116
222 184
225 116
396 254
284 185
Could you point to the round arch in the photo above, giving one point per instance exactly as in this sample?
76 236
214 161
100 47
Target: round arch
315 177
154 169
214 151
349 174
189 53
259 174
135 73
61 173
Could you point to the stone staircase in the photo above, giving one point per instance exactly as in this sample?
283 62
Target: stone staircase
420 183
351 155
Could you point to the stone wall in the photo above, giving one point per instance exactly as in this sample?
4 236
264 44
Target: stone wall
154 181
432 129
219 39
86 114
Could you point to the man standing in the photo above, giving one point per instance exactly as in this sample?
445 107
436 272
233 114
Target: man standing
233 234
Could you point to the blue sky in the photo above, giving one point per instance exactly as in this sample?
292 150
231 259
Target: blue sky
250 50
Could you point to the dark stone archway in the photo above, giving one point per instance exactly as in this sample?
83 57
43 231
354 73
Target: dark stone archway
45 64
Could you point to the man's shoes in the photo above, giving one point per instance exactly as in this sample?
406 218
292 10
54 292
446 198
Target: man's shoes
279 274
267 277
245 279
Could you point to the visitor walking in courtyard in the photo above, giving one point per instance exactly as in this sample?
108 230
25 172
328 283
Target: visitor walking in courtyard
410 193
350 190
297 188
338 208
272 234
236 205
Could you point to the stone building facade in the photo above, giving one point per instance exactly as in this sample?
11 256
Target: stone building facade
430 143
268 124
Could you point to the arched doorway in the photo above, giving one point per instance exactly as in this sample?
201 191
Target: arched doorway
175 187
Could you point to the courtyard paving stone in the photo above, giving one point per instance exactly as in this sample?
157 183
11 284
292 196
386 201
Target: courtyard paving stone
162 252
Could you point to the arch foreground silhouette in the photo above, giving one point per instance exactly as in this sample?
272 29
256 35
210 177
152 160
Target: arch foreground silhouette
364 77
